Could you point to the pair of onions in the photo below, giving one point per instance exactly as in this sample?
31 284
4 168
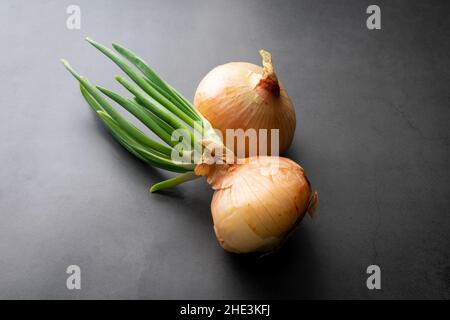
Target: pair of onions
257 202
248 208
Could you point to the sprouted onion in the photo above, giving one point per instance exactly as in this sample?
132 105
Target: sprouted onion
257 203
241 95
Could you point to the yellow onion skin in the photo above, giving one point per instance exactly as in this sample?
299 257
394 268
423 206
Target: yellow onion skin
256 205
240 95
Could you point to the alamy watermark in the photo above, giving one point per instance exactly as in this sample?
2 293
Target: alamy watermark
207 145
373 22
73 281
73 21
374 280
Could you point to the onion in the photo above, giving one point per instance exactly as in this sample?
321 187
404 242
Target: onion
258 203
240 95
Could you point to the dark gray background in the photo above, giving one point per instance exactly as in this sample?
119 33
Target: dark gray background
373 134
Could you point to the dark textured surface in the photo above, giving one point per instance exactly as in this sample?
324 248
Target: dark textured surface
373 134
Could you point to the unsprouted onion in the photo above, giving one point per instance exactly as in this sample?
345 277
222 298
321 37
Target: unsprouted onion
241 95
257 202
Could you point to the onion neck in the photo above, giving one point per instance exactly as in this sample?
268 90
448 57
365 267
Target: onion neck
269 80
215 163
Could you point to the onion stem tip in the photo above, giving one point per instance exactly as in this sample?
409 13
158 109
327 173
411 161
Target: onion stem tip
64 62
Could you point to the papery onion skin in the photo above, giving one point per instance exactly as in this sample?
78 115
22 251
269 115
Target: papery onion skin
257 204
240 95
